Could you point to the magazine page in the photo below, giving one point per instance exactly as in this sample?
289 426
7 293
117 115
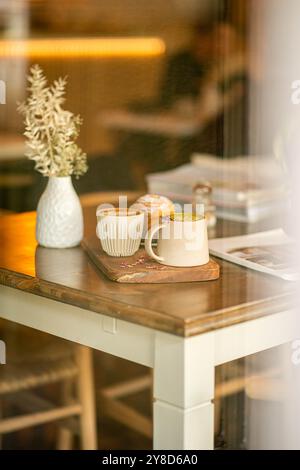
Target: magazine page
270 252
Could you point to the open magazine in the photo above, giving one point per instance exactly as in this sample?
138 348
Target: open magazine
271 252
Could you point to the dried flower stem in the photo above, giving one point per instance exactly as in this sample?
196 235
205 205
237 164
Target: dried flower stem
50 130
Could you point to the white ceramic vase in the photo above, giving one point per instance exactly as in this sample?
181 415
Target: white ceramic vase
59 215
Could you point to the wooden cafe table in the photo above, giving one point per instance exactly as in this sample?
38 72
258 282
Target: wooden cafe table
181 331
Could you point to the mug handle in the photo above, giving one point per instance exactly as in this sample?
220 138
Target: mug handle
148 242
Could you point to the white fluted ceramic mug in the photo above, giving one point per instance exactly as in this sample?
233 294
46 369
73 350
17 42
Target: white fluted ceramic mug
120 231
182 242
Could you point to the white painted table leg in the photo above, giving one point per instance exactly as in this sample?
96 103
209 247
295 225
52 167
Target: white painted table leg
183 392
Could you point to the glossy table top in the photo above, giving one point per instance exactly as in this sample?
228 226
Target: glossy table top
184 309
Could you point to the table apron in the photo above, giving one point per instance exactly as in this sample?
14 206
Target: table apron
257 335
111 335
135 342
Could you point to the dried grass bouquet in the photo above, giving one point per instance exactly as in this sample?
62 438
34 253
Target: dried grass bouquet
50 130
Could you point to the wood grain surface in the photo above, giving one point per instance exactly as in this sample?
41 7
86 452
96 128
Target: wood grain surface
142 269
185 309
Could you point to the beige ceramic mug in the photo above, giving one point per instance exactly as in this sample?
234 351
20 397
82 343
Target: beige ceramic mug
182 242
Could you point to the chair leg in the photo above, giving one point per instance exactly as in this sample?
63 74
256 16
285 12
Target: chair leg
65 436
86 392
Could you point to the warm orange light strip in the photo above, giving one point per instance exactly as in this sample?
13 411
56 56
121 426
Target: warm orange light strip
82 48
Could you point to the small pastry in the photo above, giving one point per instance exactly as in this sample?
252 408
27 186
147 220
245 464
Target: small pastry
155 208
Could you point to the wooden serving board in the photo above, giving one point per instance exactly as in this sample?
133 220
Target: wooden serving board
140 268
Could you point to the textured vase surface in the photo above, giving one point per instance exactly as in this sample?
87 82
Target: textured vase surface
59 215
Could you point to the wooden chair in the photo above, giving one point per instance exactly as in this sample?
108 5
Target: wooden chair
56 361
111 403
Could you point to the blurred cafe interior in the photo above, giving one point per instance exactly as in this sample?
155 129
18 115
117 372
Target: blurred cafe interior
166 91
143 57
